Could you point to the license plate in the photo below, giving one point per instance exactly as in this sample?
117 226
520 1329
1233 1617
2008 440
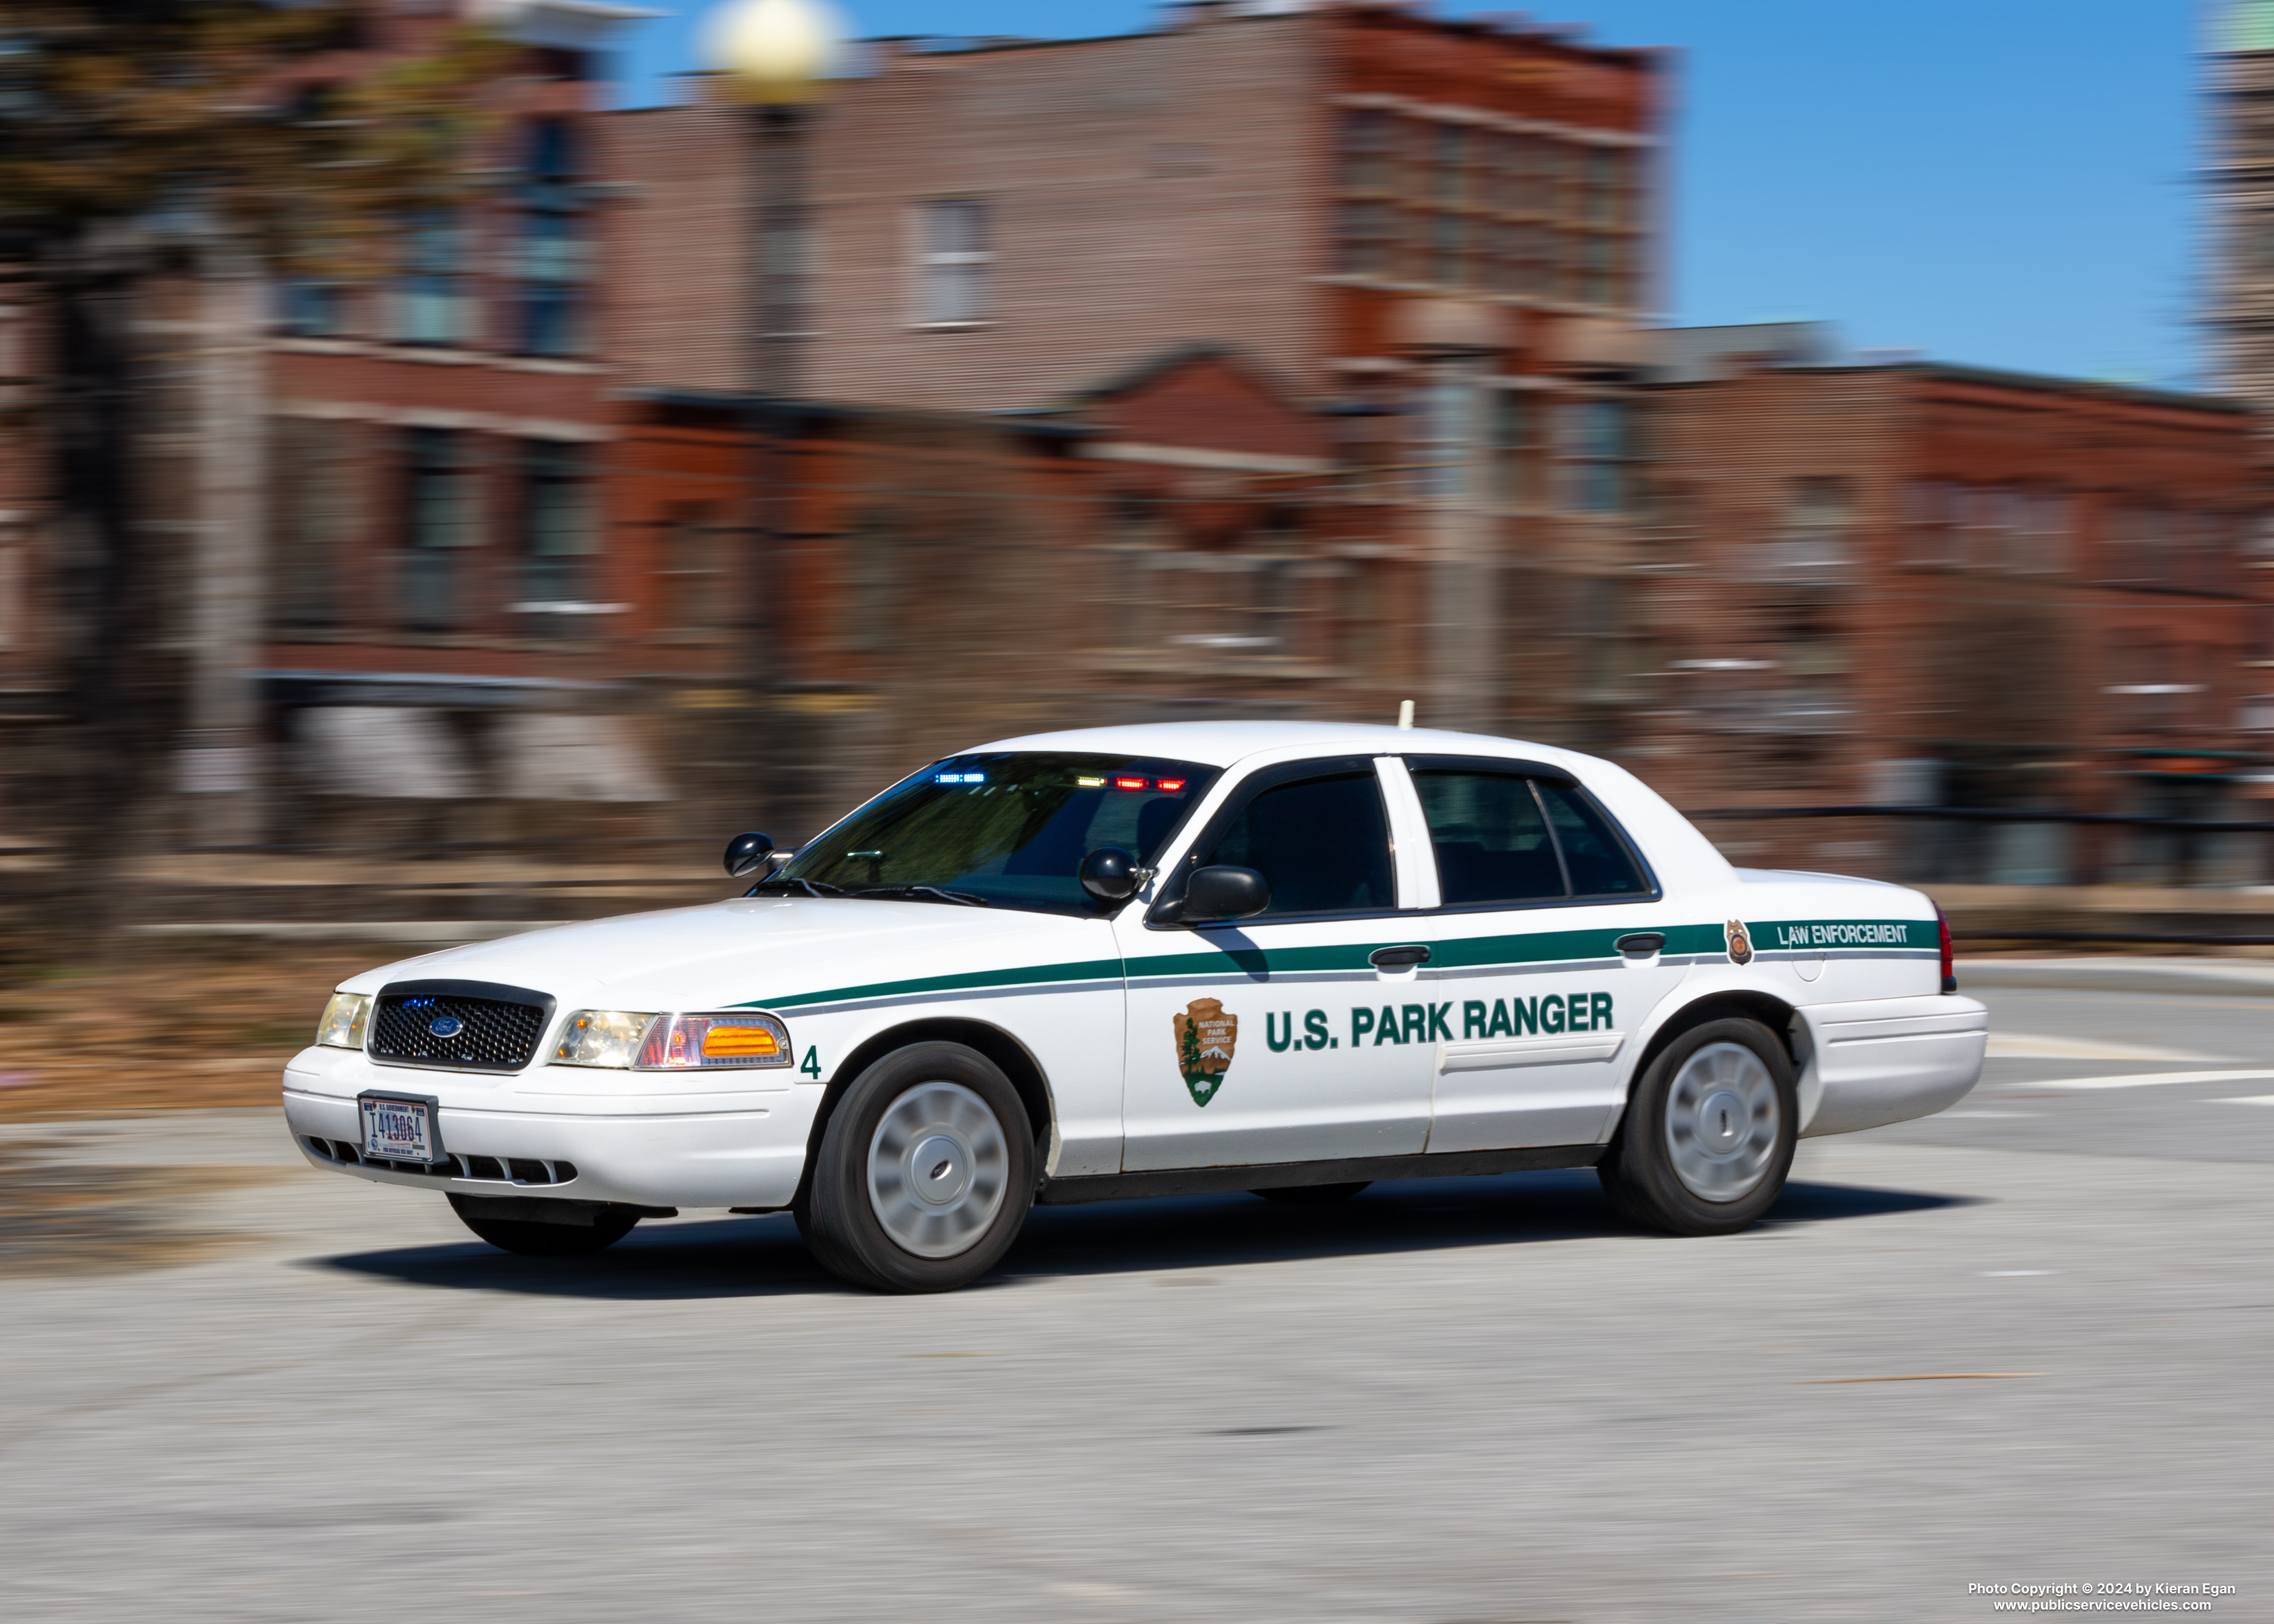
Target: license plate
398 1130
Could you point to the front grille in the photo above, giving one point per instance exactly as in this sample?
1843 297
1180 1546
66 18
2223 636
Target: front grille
497 1028
487 1169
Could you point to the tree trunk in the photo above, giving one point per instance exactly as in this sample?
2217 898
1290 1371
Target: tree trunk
106 593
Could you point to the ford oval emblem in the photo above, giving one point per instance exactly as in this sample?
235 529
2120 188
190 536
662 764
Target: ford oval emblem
445 1026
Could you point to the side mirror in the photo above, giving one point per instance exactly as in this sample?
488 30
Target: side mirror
745 855
1222 891
1109 875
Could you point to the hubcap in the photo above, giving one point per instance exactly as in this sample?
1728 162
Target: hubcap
1721 1122
937 1169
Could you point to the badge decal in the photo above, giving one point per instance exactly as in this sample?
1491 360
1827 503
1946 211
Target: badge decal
1741 945
1206 1037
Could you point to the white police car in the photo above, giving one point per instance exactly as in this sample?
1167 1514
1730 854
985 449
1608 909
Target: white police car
1131 961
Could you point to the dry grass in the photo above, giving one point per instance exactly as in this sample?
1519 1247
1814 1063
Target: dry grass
59 1217
173 1028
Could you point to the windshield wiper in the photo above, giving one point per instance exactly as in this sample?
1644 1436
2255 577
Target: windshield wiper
812 888
963 898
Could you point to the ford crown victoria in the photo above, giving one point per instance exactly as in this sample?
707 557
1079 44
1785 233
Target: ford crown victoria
1134 961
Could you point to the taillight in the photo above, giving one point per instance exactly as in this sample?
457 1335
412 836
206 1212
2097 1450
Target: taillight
1949 966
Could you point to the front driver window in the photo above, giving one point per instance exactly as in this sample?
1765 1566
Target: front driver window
1008 829
1322 844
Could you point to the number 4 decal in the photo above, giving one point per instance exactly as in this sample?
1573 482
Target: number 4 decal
813 1066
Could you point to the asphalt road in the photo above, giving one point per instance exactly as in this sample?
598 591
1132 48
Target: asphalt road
237 1390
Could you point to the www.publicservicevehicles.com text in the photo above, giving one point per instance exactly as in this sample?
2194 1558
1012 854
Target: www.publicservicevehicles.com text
2087 1597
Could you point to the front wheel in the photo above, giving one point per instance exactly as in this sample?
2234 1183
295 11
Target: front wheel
1709 1134
924 1174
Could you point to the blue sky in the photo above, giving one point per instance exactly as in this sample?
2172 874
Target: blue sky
2007 183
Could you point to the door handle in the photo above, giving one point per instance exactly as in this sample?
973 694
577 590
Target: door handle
1641 942
1398 957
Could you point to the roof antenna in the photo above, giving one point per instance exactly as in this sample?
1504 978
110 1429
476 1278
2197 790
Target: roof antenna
1405 715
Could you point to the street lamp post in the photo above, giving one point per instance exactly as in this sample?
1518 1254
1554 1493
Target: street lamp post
774 54
1450 344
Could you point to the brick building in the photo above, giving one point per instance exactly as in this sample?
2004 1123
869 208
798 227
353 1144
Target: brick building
1927 584
439 588
1266 362
2238 287
377 505
1433 239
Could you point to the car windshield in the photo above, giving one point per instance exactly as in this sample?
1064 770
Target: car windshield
1003 830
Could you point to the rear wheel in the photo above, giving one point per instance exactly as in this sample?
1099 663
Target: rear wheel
1312 1195
543 1234
1708 1137
924 1174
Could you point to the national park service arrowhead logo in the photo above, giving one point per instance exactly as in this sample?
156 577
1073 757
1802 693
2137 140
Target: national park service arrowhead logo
1206 1037
1741 945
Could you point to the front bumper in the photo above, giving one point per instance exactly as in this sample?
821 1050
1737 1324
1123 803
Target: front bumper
744 1148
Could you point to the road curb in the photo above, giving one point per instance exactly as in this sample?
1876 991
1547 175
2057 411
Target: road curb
2211 976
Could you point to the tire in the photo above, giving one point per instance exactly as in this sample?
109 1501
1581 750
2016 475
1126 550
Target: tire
535 1238
1709 1133
929 1112
1312 1195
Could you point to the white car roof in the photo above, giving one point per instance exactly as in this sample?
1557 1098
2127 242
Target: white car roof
1221 744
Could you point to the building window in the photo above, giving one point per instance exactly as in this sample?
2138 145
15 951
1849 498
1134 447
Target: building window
308 307
430 293
1448 263
12 590
955 260
1367 432
1596 447
1366 153
1445 434
311 514
2044 532
1444 206
560 537
2133 547
2198 558
1137 535
872 597
442 521
551 317
1512 446
1368 238
1930 523
698 590
1819 514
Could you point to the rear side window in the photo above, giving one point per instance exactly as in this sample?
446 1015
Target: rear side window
1322 844
1491 838
1597 859
1509 839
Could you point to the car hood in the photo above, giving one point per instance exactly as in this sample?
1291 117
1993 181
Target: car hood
763 951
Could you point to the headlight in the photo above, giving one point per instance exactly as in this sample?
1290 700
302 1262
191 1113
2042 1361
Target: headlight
732 1038
344 1018
601 1038
629 1039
